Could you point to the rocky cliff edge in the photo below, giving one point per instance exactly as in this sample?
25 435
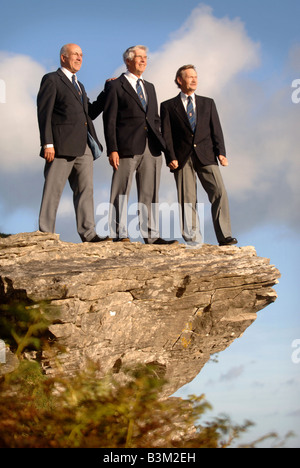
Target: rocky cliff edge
121 304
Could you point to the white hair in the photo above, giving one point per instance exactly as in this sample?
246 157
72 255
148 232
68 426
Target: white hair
130 52
64 50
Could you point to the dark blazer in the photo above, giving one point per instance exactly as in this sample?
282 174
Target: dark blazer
96 107
126 124
206 143
62 116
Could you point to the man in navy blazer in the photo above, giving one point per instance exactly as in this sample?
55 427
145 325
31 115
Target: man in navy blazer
69 144
194 145
134 145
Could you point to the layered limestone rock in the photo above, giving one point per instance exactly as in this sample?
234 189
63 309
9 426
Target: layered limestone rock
120 304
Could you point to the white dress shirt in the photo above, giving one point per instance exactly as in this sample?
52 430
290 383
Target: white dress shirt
184 99
69 74
133 81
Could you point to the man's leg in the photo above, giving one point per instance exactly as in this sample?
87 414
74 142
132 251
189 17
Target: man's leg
148 182
186 184
212 182
120 190
56 174
81 183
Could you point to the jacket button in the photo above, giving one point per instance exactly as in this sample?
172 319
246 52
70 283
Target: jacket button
195 146
85 123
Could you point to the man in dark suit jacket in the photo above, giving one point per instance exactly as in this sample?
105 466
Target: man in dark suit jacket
194 144
134 144
68 143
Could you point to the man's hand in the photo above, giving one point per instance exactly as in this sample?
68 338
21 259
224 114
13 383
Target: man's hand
114 160
49 154
174 165
223 160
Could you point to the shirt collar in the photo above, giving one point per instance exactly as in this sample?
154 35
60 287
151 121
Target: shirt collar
133 77
185 96
68 73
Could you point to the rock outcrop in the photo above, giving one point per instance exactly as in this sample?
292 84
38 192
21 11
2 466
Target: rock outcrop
126 303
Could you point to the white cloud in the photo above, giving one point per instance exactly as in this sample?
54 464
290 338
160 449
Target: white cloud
19 143
219 48
261 128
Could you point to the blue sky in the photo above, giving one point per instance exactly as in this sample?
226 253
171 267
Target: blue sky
247 55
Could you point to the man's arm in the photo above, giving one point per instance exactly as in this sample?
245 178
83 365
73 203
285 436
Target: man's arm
96 107
45 104
154 103
110 114
217 136
170 156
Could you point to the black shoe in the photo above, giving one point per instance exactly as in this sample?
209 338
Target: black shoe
99 239
229 241
160 241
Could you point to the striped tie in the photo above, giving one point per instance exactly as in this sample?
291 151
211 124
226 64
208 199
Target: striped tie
191 113
141 94
76 86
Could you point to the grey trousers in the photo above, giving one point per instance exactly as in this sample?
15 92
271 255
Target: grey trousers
147 169
212 182
79 172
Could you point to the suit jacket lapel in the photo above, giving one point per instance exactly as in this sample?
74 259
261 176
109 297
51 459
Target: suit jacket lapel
129 89
179 108
148 90
84 97
69 84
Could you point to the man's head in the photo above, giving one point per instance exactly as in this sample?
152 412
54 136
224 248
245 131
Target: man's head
187 79
135 59
71 57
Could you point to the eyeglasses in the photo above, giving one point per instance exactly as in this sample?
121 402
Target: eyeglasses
75 53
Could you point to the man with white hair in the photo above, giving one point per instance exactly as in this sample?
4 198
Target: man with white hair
134 144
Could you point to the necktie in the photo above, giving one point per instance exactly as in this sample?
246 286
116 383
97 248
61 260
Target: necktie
76 86
141 94
191 113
